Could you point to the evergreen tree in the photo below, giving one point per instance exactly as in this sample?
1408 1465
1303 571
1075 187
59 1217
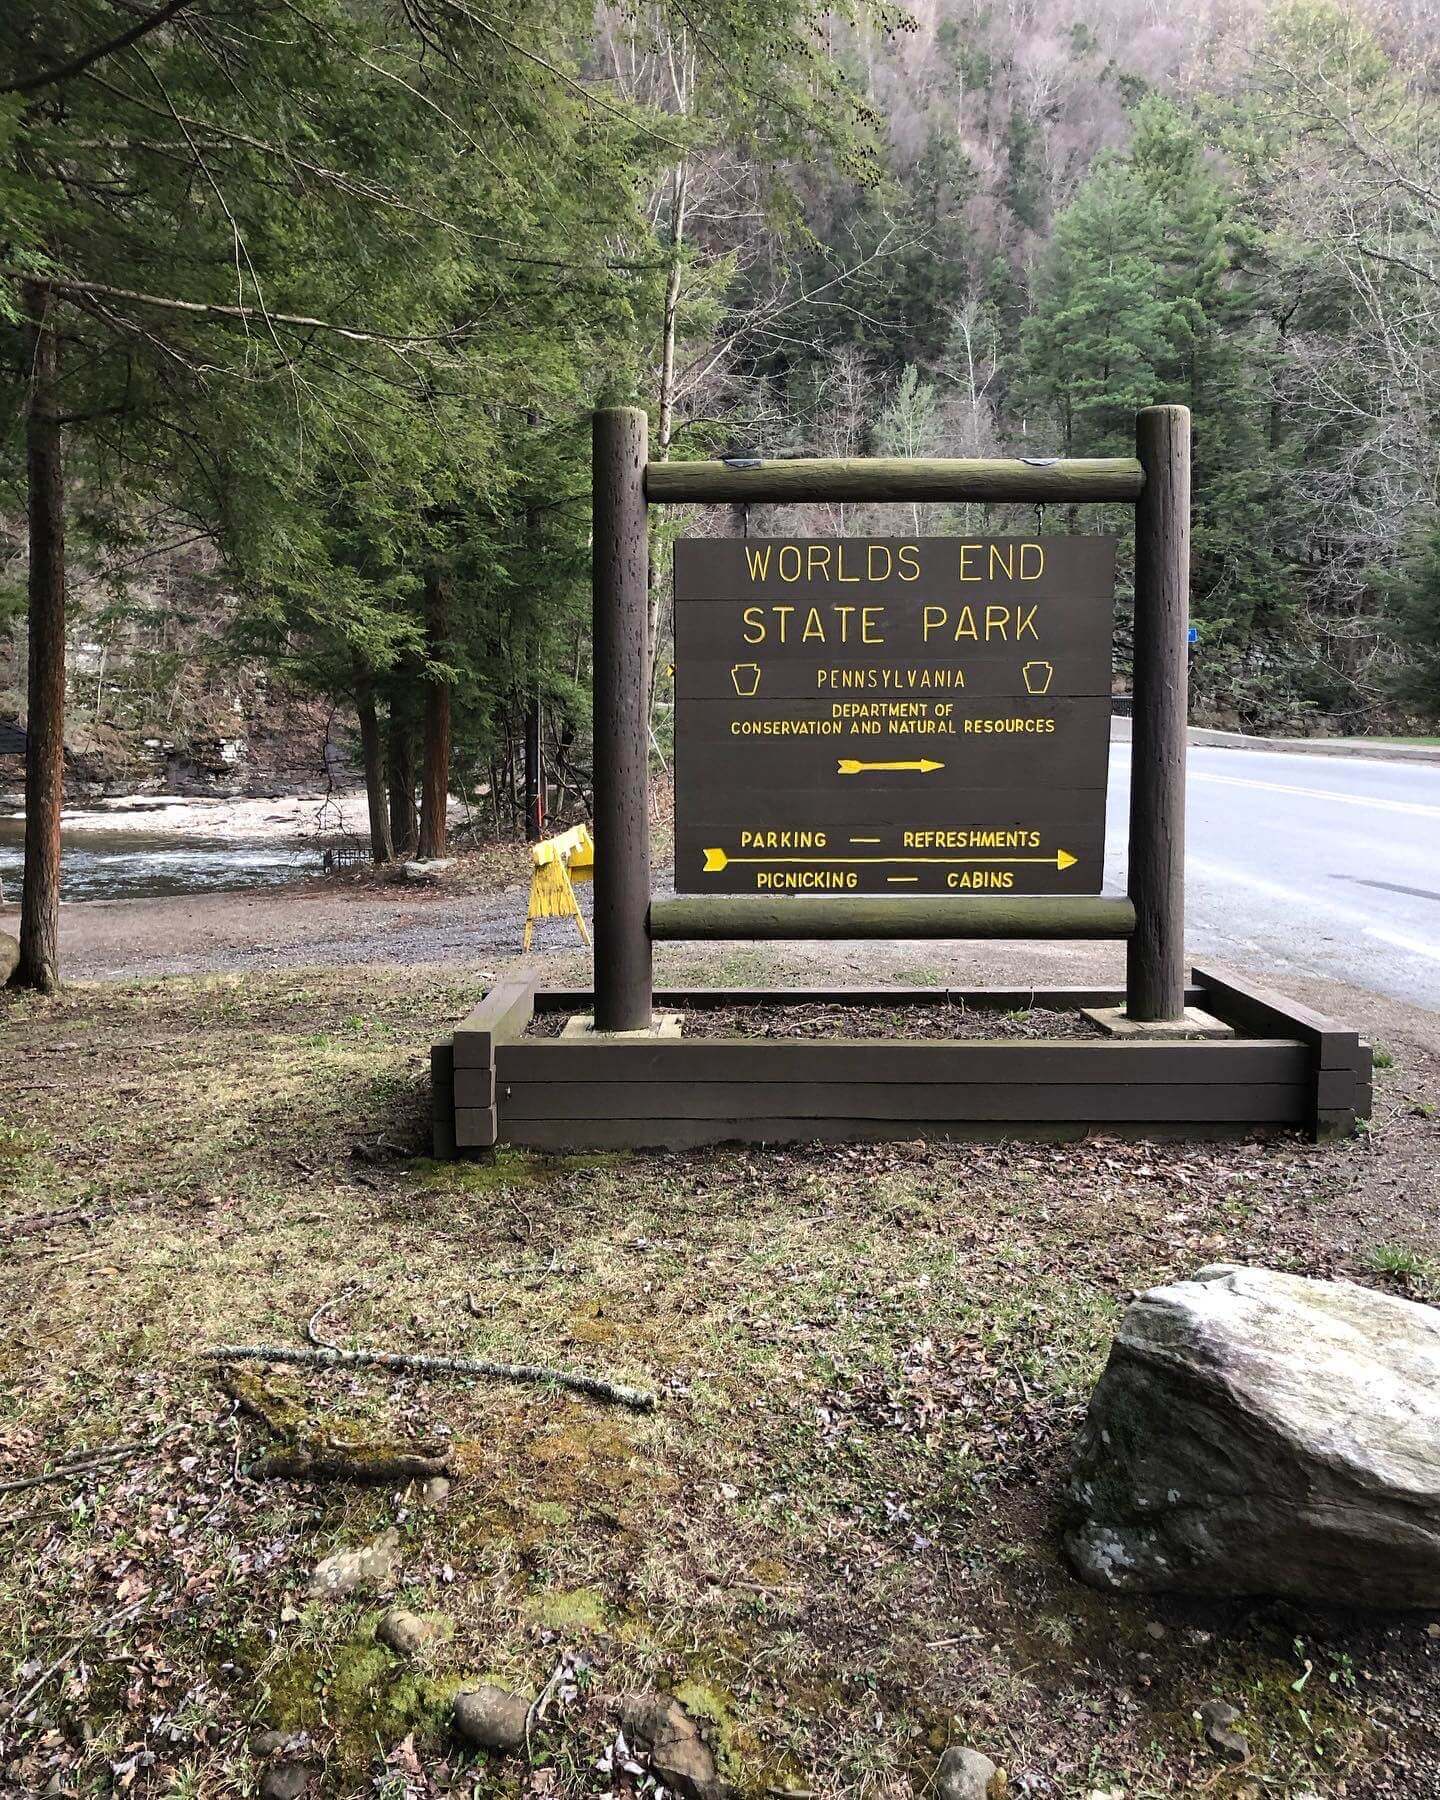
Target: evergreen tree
1104 330
1413 602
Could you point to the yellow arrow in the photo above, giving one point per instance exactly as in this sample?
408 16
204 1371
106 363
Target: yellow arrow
716 860
849 766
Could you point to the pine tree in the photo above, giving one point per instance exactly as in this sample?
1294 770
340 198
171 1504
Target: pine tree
1104 331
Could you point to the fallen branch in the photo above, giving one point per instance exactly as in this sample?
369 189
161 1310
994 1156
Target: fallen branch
78 1644
35 1223
312 1328
639 1399
86 1462
306 1452
348 1462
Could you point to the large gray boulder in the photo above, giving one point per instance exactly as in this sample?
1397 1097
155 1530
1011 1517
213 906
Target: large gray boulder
1256 1433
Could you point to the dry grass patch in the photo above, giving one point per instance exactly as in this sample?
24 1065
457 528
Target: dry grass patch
833 1538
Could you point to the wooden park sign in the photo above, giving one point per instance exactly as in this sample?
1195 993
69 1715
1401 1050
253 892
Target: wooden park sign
892 716
891 738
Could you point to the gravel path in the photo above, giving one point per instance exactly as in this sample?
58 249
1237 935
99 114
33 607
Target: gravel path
342 922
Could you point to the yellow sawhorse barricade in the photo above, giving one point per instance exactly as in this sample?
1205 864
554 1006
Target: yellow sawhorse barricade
559 863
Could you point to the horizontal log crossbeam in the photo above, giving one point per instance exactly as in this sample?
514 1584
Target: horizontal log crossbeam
760 481
696 917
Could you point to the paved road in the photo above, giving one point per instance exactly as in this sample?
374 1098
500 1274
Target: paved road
1325 865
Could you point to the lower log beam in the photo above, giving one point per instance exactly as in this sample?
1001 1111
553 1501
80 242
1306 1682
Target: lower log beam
689 918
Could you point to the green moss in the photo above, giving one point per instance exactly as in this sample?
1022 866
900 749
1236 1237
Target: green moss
357 1700
714 1708
349 1448
570 1609
550 1512
749 1763
276 1402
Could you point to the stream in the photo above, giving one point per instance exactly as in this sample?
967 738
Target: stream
139 865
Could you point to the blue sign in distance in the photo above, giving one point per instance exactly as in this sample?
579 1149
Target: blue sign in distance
1194 635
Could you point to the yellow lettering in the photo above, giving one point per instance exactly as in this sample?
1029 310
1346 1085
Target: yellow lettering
1032 561
817 556
996 619
840 567
754 619
758 561
1025 622
871 552
782 613
909 558
966 552
794 566
933 618
966 627
814 631
842 613
1002 556
868 616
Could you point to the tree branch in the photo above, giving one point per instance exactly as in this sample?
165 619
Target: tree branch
212 309
638 1398
77 65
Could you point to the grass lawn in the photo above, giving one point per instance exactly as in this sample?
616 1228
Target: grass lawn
833 1539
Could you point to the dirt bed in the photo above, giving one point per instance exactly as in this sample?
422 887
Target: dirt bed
940 1021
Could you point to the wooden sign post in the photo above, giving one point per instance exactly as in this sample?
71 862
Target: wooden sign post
804 732
891 738
622 723
1155 960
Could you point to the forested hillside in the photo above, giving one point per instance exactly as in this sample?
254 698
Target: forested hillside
332 299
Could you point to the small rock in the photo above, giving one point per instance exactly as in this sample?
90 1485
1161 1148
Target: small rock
266 1743
9 956
967 1775
410 1634
1217 1712
1218 1719
369 1569
1155 1630
435 1492
428 873
491 1719
285 1781
661 1730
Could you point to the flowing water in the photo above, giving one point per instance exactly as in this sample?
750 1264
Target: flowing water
138 865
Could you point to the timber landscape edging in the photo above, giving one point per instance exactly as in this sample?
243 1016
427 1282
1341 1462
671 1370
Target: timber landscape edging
1288 1067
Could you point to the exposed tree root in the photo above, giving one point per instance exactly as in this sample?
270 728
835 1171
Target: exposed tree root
307 1451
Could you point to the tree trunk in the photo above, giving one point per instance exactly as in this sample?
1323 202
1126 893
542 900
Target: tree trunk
665 422
404 820
372 751
39 965
435 775
534 774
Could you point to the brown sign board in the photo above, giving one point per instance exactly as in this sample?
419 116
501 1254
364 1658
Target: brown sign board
892 715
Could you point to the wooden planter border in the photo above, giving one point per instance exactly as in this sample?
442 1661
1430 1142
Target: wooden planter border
492 1084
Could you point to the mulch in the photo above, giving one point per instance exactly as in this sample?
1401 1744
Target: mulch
945 1020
